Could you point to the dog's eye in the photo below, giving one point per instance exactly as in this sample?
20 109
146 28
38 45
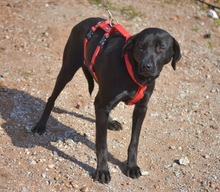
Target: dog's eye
160 48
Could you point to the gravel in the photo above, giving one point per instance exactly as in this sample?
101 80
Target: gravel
179 145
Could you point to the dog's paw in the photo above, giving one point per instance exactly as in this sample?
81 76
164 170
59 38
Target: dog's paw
102 176
114 125
39 128
133 172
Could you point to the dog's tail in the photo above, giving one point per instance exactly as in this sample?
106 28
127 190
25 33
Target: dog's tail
89 79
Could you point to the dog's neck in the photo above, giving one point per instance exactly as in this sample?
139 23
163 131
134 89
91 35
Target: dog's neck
139 78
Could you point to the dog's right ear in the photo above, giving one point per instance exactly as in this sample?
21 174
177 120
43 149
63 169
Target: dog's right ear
177 53
129 44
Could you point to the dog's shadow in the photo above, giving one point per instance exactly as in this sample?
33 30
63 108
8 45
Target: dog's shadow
20 111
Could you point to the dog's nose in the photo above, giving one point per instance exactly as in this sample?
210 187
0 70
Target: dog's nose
147 66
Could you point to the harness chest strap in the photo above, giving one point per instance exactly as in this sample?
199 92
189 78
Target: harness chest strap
140 92
108 31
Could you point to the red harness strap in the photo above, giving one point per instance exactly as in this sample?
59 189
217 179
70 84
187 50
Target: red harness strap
108 31
104 26
140 92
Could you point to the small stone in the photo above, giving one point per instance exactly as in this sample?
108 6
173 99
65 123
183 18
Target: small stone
207 36
211 13
78 105
172 147
67 183
206 156
213 185
208 76
184 161
51 166
24 189
33 162
180 148
145 173
204 183
55 153
177 174
70 142
113 170
213 127
43 175
74 184
28 128
84 189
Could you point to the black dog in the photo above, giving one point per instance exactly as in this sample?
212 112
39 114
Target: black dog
148 52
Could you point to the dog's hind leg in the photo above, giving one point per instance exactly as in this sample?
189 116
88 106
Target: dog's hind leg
72 61
63 78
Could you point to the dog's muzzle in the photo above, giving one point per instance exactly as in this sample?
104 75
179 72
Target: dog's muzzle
148 69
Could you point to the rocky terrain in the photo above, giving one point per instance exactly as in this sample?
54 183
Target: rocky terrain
180 142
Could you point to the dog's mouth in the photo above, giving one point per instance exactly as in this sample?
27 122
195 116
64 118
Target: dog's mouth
147 78
148 74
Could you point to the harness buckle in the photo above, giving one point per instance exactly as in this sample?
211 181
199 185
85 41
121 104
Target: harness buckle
103 40
89 34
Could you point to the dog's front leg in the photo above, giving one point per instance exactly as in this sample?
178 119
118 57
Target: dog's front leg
133 170
102 173
139 113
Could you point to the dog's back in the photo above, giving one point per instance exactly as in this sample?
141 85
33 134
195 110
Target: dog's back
74 49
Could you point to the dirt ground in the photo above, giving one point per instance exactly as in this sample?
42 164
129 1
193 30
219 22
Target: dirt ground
180 142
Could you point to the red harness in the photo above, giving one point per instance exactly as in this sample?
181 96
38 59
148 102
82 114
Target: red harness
104 25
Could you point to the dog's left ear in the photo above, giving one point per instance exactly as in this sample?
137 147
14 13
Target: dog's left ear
176 54
129 44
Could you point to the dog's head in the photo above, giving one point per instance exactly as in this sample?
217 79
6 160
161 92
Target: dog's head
152 48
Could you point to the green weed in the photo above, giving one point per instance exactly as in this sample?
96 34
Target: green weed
211 45
128 11
217 22
195 29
